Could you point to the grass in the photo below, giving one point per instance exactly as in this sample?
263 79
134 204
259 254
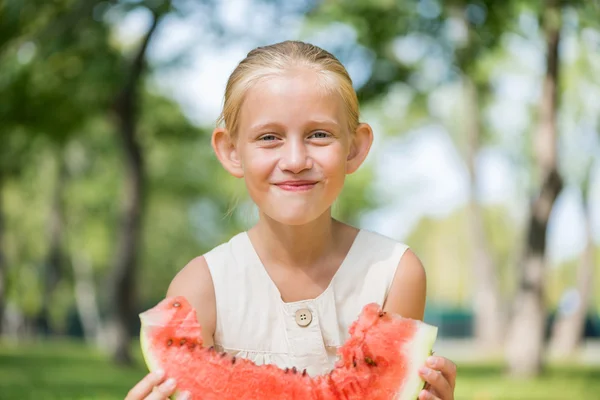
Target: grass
559 382
62 370
70 370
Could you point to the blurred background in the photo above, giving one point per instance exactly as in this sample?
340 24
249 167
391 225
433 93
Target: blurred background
486 162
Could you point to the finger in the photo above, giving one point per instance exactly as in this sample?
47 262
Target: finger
427 395
163 391
445 366
185 396
144 387
438 382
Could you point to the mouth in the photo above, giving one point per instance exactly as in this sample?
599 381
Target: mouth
296 186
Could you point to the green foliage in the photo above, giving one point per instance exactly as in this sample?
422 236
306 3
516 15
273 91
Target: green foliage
55 69
443 245
456 32
595 301
26 206
61 72
356 197
62 301
505 236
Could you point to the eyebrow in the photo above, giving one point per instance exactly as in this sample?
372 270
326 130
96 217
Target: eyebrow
270 125
266 125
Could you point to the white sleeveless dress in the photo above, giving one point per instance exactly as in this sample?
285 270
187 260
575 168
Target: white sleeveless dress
255 323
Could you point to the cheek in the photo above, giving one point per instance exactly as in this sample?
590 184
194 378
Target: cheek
258 165
333 160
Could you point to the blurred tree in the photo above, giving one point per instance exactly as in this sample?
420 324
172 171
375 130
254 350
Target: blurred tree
122 279
54 261
485 23
3 262
568 329
43 74
525 341
11 26
441 244
579 78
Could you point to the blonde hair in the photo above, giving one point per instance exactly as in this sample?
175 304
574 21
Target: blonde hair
275 59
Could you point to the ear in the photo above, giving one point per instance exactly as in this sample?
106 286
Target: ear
359 147
226 152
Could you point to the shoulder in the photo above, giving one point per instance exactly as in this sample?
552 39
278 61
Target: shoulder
408 290
377 245
405 276
194 282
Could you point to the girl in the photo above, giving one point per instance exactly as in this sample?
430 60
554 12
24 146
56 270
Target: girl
285 291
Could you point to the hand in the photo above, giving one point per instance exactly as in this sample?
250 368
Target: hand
440 375
154 387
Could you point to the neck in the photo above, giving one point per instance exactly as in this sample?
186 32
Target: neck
299 246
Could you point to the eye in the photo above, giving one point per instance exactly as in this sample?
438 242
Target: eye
320 135
267 138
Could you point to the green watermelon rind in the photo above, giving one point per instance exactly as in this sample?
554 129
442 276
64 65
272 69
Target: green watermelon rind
150 362
421 346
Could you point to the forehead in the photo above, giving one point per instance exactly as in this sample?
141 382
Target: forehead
293 98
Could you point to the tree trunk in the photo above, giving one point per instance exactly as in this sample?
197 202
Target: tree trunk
54 258
3 264
86 301
568 329
525 340
122 280
488 313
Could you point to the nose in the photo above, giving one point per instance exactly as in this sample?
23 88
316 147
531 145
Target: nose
295 157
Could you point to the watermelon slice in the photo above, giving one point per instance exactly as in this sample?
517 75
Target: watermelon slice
379 361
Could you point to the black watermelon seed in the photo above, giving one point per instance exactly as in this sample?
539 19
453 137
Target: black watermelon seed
370 361
233 360
169 342
294 370
304 372
182 342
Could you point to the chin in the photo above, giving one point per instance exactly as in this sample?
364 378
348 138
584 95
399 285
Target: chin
292 220
294 217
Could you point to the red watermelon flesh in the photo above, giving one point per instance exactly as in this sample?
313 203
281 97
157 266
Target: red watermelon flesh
379 361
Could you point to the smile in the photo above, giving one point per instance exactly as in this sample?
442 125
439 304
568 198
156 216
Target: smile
296 186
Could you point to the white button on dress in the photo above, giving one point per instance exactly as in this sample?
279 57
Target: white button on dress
303 317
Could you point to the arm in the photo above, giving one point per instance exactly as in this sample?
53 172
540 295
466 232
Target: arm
408 289
407 297
194 282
